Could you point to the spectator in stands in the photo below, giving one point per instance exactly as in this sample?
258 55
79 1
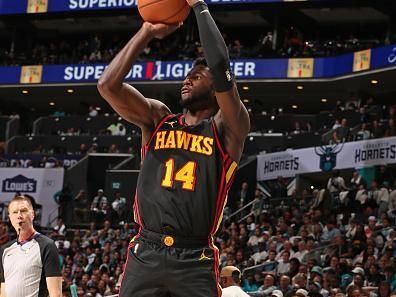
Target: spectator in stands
342 133
83 149
284 264
376 129
93 148
99 207
81 207
336 125
330 231
280 188
113 149
261 254
364 117
383 198
267 288
356 180
363 133
64 199
392 201
243 197
237 49
270 263
302 251
265 45
284 285
293 41
59 229
119 207
384 174
391 129
255 239
336 183
358 279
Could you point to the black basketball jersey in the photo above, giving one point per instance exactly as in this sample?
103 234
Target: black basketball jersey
184 179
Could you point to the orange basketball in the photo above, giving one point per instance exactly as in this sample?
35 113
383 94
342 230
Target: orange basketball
163 11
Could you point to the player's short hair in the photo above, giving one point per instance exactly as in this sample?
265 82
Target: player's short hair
200 62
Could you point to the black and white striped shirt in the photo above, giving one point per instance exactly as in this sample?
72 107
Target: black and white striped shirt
25 266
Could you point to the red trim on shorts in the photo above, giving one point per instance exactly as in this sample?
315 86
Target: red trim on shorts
216 265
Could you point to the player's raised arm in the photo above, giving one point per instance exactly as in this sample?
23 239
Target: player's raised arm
233 119
125 99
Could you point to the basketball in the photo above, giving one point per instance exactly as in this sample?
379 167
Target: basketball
163 11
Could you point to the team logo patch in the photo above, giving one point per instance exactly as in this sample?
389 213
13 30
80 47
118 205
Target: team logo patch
328 156
168 240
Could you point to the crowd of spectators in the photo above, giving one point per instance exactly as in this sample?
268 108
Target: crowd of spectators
336 240
101 48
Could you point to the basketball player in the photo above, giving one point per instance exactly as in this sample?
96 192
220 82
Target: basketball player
188 164
29 265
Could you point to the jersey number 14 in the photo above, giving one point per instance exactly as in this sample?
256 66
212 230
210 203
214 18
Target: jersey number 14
185 175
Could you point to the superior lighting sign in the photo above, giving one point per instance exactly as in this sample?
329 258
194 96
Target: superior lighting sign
47 6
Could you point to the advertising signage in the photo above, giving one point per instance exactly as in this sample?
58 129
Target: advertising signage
48 6
244 69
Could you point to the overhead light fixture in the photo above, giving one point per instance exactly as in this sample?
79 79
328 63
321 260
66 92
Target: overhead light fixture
324 100
294 106
245 88
98 108
70 91
52 103
374 81
25 92
246 100
300 87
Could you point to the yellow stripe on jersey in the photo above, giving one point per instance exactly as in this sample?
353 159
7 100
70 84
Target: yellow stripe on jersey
230 171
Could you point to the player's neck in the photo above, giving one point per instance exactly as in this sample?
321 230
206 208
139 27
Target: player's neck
195 117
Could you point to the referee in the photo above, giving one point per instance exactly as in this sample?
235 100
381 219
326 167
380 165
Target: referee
29 265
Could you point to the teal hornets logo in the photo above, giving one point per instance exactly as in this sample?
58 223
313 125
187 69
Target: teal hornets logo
328 156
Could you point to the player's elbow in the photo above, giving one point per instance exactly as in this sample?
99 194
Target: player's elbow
105 87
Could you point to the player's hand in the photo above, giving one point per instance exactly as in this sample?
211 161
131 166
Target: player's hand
160 30
193 2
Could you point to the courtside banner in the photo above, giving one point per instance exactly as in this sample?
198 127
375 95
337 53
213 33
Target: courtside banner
244 69
45 6
358 154
40 183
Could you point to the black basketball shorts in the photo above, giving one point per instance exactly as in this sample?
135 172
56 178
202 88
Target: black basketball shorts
163 266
